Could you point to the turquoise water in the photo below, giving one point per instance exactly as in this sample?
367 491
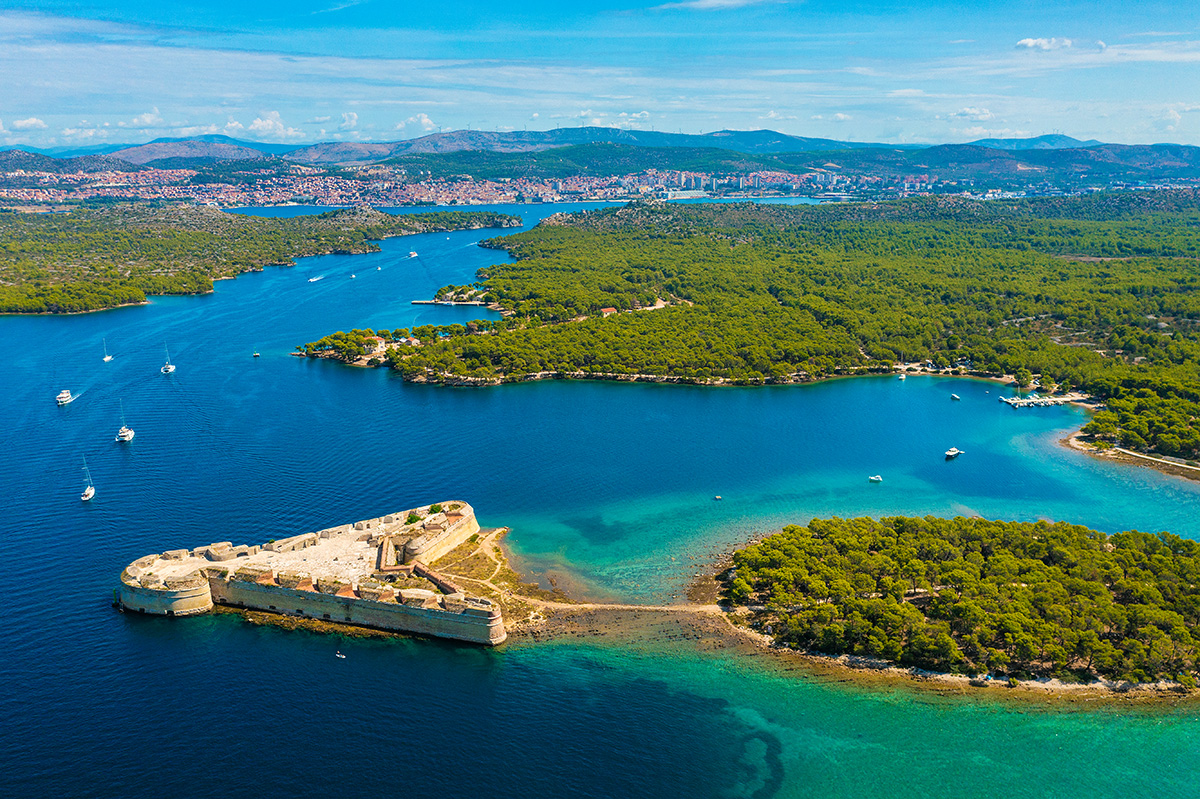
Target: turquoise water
609 487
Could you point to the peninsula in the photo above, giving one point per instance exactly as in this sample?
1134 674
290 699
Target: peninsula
371 573
111 255
1098 293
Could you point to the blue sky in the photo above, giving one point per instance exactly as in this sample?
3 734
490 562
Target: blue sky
103 71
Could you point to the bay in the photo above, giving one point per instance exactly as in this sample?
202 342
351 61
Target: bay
609 488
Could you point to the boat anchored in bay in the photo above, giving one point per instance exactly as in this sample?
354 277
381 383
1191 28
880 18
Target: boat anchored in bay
954 452
126 432
90 490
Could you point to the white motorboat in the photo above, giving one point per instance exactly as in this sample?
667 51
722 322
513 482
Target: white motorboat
955 397
126 432
315 279
412 253
65 397
90 490
953 453
107 357
875 478
901 376
167 367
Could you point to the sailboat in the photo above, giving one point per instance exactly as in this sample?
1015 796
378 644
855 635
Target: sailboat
90 491
107 357
167 367
126 432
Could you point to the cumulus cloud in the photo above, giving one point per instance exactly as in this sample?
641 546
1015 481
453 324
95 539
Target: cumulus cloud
973 113
349 121
840 117
271 126
421 121
317 120
2 130
33 123
776 115
534 115
1044 44
150 119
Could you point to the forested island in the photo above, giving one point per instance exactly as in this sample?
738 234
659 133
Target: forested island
1097 293
111 255
973 596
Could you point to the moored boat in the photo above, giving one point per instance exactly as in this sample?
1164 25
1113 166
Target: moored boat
953 453
90 490
875 478
955 397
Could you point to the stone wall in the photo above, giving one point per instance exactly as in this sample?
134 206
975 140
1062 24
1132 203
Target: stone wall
460 525
478 621
144 592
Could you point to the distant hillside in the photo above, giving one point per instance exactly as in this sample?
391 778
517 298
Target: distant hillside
12 160
580 159
1053 141
190 148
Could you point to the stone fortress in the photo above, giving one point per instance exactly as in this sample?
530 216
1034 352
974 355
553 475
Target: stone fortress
352 574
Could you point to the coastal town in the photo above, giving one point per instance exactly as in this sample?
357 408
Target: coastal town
268 184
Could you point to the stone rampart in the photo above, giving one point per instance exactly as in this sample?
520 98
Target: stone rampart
479 621
144 591
442 533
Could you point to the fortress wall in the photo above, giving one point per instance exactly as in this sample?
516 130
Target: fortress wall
477 624
182 601
428 548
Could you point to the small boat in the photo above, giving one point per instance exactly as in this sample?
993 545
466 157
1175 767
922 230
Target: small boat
65 397
875 478
901 376
107 357
954 452
353 276
413 253
315 279
955 397
256 353
717 498
90 490
379 269
167 367
126 432
340 655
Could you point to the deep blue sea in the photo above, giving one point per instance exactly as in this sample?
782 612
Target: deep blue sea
608 488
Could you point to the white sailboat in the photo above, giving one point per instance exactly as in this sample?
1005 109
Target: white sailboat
167 367
107 357
126 432
90 490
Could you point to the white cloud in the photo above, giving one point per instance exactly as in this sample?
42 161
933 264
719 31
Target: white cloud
349 121
776 115
33 123
1044 44
270 126
973 113
840 117
420 120
2 130
84 133
534 115
1168 120
906 93
150 119
317 120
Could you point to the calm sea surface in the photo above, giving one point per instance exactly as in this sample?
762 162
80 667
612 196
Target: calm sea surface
608 488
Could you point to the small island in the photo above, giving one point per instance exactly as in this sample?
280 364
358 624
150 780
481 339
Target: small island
984 599
371 573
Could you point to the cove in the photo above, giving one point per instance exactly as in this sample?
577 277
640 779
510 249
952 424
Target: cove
609 486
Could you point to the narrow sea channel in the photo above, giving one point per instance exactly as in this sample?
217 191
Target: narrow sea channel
609 488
